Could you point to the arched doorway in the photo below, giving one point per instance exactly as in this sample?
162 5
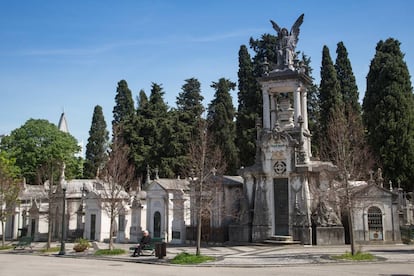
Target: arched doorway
157 225
375 223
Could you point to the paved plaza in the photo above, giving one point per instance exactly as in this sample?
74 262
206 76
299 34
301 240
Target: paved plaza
245 255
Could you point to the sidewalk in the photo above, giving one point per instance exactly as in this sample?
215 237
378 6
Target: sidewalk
249 255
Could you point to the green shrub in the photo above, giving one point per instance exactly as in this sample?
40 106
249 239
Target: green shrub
358 256
186 258
6 247
102 252
81 245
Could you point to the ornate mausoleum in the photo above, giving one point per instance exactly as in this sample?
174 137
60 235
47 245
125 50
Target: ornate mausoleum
286 196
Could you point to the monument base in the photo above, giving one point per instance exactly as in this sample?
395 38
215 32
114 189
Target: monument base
330 235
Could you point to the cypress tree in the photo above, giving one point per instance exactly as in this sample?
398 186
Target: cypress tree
346 78
124 104
330 100
264 48
142 100
96 149
388 113
221 124
187 118
313 106
249 109
154 139
189 104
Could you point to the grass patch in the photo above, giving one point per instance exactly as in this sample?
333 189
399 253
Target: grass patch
50 250
358 256
104 252
6 247
186 258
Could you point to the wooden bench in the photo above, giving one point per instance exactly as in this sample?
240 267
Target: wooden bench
24 242
149 249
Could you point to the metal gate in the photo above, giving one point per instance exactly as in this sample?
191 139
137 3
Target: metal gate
375 223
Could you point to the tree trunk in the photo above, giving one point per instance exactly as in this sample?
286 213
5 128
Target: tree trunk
350 225
3 240
111 226
199 231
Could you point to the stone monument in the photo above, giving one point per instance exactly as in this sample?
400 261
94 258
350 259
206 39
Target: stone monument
281 186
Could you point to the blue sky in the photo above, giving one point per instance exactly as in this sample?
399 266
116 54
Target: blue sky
69 55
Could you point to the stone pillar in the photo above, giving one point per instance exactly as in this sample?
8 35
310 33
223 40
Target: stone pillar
266 109
304 109
297 105
261 228
273 111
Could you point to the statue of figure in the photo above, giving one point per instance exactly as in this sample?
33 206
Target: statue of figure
286 44
325 215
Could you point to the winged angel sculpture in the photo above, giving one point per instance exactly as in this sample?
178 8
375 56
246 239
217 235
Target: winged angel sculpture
286 44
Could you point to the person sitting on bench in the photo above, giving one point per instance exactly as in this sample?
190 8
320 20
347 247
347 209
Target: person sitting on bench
145 242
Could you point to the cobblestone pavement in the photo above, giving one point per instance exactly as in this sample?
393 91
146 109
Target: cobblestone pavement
250 255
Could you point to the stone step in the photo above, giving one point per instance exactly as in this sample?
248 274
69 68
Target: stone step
280 240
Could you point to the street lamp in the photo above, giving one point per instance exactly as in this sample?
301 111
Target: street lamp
62 238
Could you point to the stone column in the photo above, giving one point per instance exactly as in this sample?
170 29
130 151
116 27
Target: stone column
297 105
304 109
266 109
273 111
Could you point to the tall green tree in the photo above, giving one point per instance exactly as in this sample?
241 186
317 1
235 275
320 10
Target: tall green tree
265 49
221 124
359 156
124 104
346 78
330 100
97 146
142 100
187 117
9 190
154 142
313 106
249 109
388 113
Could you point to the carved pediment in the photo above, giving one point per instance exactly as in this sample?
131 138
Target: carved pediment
373 191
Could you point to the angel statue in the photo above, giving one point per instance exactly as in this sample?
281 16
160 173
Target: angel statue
286 44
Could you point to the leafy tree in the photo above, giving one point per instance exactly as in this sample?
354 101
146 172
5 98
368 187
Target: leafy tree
388 113
221 124
96 149
42 152
40 149
9 190
330 100
249 109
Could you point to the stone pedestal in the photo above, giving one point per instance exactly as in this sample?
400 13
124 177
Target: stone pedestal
303 234
332 235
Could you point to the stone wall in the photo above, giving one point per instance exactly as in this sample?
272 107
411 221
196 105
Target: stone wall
330 235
